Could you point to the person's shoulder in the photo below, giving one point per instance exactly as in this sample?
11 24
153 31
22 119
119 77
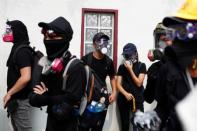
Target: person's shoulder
141 64
121 66
108 59
24 51
86 56
155 65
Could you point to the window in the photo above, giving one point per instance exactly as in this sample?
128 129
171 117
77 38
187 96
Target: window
94 21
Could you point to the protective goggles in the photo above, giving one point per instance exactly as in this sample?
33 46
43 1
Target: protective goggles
8 35
49 33
184 32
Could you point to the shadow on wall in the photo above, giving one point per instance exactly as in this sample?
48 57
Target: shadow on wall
39 117
4 121
112 119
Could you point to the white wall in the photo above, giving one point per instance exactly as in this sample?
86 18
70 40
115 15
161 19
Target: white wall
136 21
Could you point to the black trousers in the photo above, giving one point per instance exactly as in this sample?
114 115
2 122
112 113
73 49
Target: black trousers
61 125
99 127
125 108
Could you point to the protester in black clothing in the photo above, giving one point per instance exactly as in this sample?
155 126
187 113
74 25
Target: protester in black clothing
173 85
130 79
157 56
61 97
18 76
103 66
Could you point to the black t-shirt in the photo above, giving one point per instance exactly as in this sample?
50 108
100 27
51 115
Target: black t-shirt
128 83
103 67
24 58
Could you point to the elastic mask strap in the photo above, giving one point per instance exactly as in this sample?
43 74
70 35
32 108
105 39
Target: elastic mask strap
191 84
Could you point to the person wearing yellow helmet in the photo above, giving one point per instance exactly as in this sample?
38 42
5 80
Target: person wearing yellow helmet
172 85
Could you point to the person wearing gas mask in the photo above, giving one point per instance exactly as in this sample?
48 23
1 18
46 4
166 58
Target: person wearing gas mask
18 76
180 68
130 78
161 40
62 98
103 67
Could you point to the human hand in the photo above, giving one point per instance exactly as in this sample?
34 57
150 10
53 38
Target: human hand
128 64
6 98
112 97
40 89
128 96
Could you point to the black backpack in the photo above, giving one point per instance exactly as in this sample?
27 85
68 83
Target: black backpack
36 69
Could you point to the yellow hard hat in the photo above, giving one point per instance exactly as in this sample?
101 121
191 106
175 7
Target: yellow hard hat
188 10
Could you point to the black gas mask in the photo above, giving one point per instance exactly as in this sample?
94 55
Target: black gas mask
103 45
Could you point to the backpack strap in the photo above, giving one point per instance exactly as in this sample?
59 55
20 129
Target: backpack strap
91 87
89 59
72 62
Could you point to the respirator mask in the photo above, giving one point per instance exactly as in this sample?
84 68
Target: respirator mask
103 45
55 66
155 54
131 58
8 35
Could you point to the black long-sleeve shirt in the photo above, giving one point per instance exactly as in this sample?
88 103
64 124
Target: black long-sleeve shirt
75 86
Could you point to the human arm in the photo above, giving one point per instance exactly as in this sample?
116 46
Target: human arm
74 89
19 85
138 80
22 68
127 95
112 96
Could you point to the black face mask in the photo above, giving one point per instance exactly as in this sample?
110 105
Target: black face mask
55 48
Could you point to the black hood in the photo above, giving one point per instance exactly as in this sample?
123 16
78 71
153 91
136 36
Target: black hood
19 31
20 37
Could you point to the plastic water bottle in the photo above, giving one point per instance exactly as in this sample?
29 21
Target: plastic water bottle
96 107
92 106
99 107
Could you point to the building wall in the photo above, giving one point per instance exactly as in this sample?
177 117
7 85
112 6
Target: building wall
136 21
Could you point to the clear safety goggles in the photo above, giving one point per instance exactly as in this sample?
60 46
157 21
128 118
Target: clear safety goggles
184 32
8 30
49 33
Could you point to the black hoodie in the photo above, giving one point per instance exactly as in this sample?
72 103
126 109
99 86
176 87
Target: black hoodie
23 57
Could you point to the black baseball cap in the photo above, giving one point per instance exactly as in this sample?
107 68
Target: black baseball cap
59 25
99 35
129 49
